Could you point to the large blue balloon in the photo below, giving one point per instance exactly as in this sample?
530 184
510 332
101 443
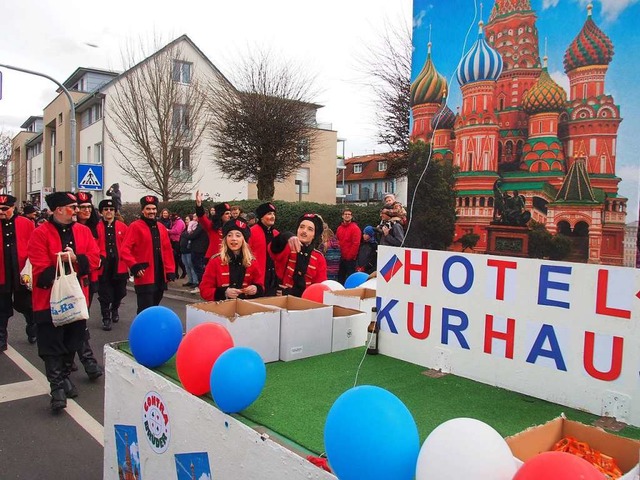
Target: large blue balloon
237 379
371 434
355 280
155 335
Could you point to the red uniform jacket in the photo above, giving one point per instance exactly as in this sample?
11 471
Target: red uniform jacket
285 262
24 228
216 276
121 230
137 249
258 246
44 244
349 236
215 236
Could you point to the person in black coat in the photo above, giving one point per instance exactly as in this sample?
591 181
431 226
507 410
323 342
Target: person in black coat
199 243
368 251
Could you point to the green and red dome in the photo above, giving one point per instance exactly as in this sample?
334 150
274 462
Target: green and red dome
429 86
590 47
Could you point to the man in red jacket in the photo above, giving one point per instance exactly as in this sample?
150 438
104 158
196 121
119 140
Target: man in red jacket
60 235
15 232
348 234
147 252
262 233
112 281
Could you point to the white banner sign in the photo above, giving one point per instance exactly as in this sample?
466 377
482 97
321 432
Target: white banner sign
565 332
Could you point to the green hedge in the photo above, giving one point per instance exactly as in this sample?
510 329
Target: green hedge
286 212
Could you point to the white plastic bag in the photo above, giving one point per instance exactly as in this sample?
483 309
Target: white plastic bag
68 303
26 275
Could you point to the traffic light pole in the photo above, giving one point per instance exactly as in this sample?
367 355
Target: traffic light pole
72 119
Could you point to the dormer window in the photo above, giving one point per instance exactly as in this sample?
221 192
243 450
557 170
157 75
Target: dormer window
357 168
382 166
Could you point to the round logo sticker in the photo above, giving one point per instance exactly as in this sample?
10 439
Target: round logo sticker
156 422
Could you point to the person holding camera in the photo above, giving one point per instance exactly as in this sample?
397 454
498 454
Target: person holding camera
390 229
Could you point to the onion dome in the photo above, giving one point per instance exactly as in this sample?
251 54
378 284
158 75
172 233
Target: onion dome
545 96
429 86
507 7
590 47
481 63
443 119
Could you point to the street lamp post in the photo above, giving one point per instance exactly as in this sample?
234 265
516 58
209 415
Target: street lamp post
72 119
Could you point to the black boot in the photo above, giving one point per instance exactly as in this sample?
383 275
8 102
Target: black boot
54 369
70 389
3 333
115 316
106 317
32 329
89 362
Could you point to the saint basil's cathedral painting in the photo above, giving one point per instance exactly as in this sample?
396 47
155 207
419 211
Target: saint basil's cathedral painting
518 133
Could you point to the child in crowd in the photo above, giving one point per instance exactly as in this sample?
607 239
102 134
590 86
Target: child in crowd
368 252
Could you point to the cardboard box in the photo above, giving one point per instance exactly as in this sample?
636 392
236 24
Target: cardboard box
349 328
542 438
305 326
251 325
363 299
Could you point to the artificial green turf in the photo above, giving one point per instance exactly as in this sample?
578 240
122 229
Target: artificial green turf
298 395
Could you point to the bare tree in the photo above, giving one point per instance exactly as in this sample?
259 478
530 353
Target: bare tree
5 158
158 115
264 130
388 69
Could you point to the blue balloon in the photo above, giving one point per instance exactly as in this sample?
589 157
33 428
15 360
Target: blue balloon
370 433
237 379
355 280
155 335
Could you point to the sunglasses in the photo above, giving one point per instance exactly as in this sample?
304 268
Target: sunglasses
108 209
4 209
72 207
84 207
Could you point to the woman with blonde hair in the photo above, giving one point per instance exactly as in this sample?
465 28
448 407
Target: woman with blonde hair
233 273
330 248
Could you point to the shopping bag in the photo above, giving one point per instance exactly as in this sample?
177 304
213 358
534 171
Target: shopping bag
26 275
68 303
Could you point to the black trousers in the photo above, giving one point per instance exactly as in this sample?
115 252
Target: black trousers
20 301
198 264
111 292
346 268
60 341
149 299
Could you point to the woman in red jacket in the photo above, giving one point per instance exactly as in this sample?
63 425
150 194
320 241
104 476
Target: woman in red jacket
233 273
298 263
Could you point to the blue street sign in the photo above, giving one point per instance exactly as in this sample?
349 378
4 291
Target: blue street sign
89 176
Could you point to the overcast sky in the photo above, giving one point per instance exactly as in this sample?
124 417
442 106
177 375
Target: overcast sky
328 37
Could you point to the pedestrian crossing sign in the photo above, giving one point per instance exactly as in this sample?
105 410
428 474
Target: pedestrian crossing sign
89 176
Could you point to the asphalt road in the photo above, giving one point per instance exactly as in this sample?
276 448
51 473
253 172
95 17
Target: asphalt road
34 444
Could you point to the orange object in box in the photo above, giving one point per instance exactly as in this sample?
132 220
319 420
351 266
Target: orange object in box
604 463
542 438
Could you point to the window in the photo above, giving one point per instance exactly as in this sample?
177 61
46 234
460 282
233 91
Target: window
91 116
53 138
88 155
303 150
182 160
303 177
357 168
59 119
181 71
180 119
59 157
382 166
97 153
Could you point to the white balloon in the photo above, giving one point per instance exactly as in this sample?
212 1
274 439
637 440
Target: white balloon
333 285
465 449
372 283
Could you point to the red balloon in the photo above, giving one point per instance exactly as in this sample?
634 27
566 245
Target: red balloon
315 292
197 353
557 466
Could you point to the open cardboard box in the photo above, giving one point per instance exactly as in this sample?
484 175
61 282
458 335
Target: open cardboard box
542 438
250 324
363 299
349 328
305 326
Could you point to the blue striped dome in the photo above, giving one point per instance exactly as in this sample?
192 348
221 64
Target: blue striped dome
481 63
